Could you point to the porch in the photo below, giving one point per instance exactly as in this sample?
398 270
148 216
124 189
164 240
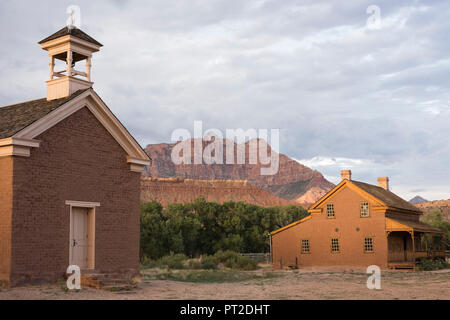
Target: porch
410 240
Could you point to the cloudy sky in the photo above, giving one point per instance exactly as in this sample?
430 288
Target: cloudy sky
344 93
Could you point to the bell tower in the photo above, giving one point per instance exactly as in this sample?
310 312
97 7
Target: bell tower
70 45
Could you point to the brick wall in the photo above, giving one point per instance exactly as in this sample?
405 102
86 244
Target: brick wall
6 169
77 160
348 227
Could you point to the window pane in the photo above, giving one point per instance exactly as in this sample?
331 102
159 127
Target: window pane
368 244
335 245
305 246
364 209
330 210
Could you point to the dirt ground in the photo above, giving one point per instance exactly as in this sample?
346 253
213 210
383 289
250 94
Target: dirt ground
294 284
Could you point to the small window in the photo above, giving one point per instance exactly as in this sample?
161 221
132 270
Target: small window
364 209
335 245
305 246
368 244
330 210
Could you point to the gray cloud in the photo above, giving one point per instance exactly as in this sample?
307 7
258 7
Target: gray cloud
311 68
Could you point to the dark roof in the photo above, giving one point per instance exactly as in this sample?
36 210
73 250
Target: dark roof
74 32
19 116
417 225
389 198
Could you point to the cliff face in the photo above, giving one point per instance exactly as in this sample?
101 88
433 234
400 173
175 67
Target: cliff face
178 190
311 196
442 205
293 181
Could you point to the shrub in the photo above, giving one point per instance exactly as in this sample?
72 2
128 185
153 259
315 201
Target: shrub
224 256
174 261
209 262
209 276
428 264
233 260
195 264
205 262
146 262
245 263
229 259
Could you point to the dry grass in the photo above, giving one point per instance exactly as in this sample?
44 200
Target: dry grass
260 284
205 276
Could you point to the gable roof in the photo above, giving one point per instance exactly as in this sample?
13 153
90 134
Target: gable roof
73 32
386 197
16 117
29 119
291 225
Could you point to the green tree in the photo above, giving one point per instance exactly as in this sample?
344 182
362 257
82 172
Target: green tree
435 219
152 230
203 227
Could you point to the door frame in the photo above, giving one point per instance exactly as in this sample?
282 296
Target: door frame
91 206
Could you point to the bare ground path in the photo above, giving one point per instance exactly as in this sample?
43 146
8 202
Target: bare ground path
304 284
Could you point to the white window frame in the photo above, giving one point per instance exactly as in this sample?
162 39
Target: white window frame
361 209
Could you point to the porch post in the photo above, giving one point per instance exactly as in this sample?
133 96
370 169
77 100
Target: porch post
413 247
388 233
429 245
443 247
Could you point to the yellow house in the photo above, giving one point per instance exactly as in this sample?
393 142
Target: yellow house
357 224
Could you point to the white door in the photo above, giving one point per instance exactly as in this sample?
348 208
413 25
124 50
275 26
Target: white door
80 237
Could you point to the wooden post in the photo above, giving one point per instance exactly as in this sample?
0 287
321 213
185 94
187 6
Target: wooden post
52 66
270 244
413 247
69 63
88 68
388 233
443 248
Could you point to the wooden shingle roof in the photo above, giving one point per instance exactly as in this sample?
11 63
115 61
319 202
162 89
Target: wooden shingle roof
16 117
399 224
386 196
73 32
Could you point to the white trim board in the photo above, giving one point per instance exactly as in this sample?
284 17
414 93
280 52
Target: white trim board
136 156
17 147
82 204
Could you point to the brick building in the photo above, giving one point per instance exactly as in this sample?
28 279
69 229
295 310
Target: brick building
69 176
357 224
